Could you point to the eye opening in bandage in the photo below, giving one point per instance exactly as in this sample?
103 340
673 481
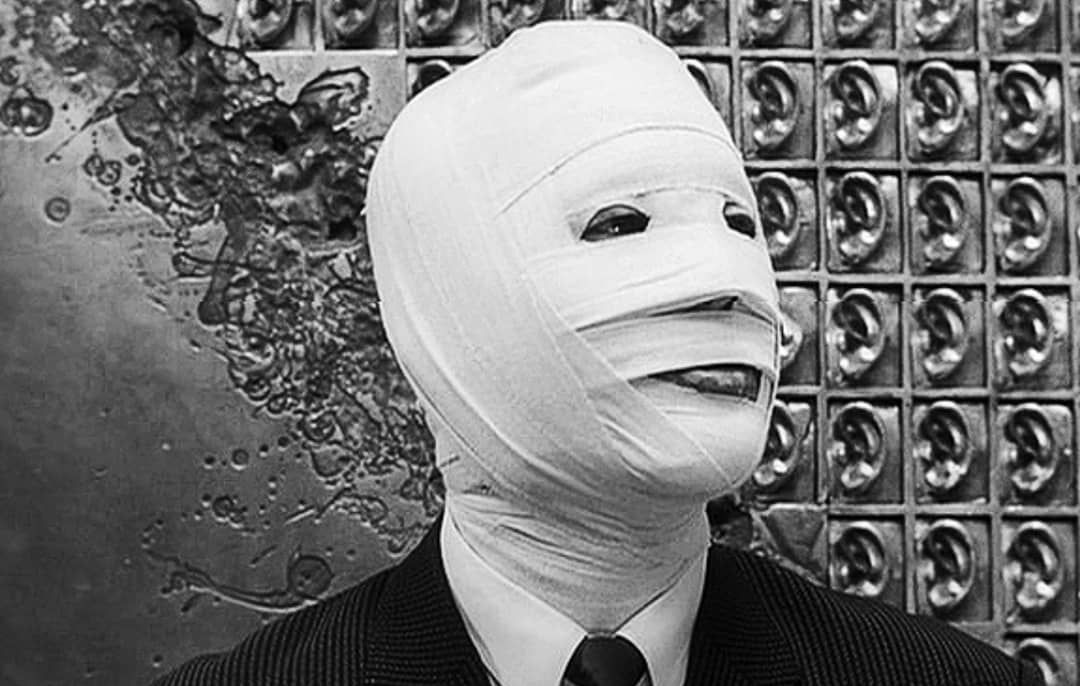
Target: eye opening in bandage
655 205
614 221
740 219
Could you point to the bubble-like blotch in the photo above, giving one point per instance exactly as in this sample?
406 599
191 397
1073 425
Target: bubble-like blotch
309 576
240 458
57 209
327 465
110 174
277 404
93 165
256 388
319 428
223 507
26 114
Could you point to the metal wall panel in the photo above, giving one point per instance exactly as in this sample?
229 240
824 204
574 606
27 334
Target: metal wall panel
203 427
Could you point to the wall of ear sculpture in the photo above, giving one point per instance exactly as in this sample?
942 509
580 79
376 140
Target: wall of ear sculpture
206 428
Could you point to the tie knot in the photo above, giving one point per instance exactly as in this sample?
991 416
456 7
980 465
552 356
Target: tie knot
605 661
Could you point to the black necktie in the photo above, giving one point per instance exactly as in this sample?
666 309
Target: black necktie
605 661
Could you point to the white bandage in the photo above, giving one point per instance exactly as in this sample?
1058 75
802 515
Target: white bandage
533 350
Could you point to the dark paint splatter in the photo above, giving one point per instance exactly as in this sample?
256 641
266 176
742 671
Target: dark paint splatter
9 70
290 294
307 578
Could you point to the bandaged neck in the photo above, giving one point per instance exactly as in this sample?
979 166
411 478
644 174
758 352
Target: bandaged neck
590 328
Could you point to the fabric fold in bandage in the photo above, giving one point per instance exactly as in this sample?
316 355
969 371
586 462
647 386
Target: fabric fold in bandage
652 345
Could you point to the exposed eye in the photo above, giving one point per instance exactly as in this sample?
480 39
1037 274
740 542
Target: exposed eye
740 220
614 221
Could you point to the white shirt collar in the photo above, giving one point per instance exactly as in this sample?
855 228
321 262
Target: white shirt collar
523 641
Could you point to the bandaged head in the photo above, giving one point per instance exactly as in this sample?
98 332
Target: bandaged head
574 278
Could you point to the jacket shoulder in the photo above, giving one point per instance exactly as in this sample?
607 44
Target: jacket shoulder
323 644
839 638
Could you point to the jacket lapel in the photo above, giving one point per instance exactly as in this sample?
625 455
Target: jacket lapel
415 634
735 641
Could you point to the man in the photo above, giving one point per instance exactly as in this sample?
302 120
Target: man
574 280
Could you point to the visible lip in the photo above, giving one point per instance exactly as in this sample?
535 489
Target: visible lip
734 380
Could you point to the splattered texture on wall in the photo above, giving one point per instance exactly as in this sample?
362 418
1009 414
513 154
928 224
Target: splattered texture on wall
203 426
197 390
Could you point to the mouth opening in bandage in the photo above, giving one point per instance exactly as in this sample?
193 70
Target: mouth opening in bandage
733 379
736 380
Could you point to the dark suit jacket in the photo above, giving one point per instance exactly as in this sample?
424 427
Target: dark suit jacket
758 624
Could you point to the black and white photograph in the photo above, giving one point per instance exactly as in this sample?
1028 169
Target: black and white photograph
539 342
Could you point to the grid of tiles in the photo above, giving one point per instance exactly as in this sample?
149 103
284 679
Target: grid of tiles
916 164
